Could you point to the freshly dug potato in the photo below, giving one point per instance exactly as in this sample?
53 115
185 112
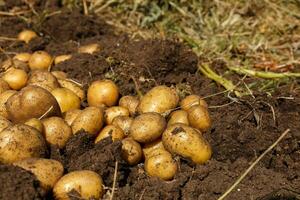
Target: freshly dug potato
4 123
90 48
3 99
66 99
43 79
3 86
61 58
187 142
178 116
102 92
131 103
40 60
24 57
47 171
110 130
59 74
147 127
161 165
31 102
27 35
111 113
14 63
71 115
16 78
160 99
199 118
123 122
35 123
131 151
56 131
87 184
152 147
20 141
74 87
90 119
192 100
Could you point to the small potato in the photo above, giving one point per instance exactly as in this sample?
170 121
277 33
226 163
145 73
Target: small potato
24 57
153 147
102 92
31 102
3 86
161 165
131 151
59 75
61 58
160 99
40 60
147 127
199 118
73 86
110 130
27 35
43 79
113 112
178 116
20 141
192 100
16 78
71 115
14 63
4 123
90 119
123 122
90 48
131 103
3 99
35 123
87 184
47 171
66 99
186 142
56 131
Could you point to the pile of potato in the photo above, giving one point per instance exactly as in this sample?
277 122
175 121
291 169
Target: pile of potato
40 107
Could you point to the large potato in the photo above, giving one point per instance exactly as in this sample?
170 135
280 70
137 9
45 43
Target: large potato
147 127
3 99
71 85
47 171
4 123
111 113
199 118
20 141
31 102
87 184
43 79
187 142
131 151
160 99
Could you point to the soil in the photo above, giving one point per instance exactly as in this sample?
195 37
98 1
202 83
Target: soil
241 129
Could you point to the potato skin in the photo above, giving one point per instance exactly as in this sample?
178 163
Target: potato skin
152 147
66 99
110 130
71 115
123 122
47 171
3 99
188 142
4 123
67 83
43 79
147 127
199 118
113 112
16 78
35 123
31 102
192 100
131 103
3 86
178 116
131 151
20 141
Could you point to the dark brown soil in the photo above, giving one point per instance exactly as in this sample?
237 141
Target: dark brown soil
241 131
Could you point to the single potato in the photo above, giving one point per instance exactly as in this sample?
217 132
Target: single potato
131 151
26 35
111 113
199 118
178 116
60 75
110 131
43 79
35 123
89 48
73 86
24 57
131 103
16 78
66 99
61 58
152 147
124 123
192 100
40 60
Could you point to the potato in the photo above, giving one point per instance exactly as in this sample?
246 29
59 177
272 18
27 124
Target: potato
102 92
152 147
31 102
66 99
160 99
24 57
26 35
123 122
87 184
161 165
40 60
178 116
20 141
131 151
90 48
14 63
187 142
131 103
90 119
43 79
115 111
35 123
71 115
147 127
47 171
61 58
74 87
192 100
16 78
199 118
59 74
110 130
56 131
3 86
3 99
4 123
